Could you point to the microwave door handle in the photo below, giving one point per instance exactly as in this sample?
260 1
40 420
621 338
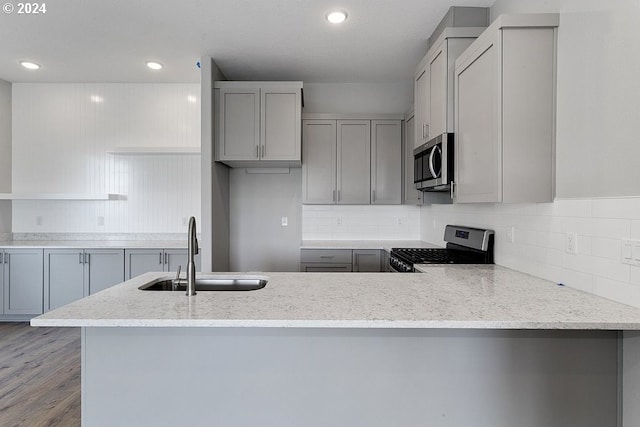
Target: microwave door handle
431 166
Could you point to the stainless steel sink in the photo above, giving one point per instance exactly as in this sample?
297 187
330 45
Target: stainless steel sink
207 284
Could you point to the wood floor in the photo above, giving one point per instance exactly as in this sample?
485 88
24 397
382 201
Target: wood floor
39 376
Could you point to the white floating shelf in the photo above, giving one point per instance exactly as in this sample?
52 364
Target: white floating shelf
61 196
154 150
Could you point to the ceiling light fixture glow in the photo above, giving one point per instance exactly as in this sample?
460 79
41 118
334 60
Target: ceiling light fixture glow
192 99
29 65
154 65
337 17
96 99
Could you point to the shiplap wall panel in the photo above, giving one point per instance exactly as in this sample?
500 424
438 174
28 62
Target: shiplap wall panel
61 137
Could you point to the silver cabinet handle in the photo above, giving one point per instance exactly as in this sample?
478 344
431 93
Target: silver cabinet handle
80 258
326 256
87 258
264 151
166 258
338 195
373 195
257 151
160 258
426 127
6 258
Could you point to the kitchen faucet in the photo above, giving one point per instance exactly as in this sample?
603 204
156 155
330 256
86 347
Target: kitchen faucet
191 264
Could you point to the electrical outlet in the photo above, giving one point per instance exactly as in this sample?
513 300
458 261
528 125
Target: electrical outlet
399 221
339 220
38 220
511 234
285 221
100 221
571 243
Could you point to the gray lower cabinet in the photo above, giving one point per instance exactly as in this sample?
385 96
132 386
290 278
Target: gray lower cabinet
325 260
140 261
367 260
22 284
71 274
340 260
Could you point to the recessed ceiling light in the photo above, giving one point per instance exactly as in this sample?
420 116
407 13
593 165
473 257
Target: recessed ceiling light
192 99
337 17
29 65
97 99
154 65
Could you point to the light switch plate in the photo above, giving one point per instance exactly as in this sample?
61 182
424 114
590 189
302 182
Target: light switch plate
511 234
630 252
285 221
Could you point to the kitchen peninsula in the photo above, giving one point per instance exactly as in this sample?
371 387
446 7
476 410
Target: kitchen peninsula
457 345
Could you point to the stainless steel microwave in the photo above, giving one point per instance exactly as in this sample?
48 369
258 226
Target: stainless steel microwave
433 164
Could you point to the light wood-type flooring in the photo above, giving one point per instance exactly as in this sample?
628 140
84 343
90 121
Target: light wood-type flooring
39 376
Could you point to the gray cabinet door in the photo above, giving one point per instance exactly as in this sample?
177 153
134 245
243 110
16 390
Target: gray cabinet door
319 162
410 194
63 276
280 112
478 160
103 268
178 257
239 127
354 162
367 260
386 162
140 261
23 283
422 102
438 91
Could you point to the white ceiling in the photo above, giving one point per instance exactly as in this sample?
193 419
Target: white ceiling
110 40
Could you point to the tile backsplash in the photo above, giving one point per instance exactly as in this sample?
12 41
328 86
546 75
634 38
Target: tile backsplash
353 222
539 240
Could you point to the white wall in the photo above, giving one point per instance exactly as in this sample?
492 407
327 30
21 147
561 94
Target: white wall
258 241
597 158
334 222
61 136
5 155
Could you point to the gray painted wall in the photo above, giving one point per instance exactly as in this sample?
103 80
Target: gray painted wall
214 243
5 155
258 241
372 98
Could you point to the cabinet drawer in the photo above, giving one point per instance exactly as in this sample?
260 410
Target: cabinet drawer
318 267
329 256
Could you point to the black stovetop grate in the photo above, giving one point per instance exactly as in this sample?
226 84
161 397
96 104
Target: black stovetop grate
438 256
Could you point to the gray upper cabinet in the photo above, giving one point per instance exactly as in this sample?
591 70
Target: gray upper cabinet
22 281
411 196
386 162
239 125
71 274
354 162
319 161
434 83
258 123
505 119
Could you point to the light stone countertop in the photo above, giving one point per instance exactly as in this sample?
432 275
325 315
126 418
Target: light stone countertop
387 245
93 244
447 296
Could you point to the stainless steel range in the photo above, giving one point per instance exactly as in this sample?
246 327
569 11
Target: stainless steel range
465 245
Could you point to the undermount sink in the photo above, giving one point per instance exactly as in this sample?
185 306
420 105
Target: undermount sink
207 284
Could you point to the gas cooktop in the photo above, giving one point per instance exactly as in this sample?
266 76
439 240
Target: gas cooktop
465 245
